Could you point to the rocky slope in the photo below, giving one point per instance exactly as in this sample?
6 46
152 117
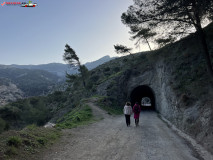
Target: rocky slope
9 92
18 83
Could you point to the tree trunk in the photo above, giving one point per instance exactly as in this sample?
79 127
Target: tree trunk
82 75
131 54
207 56
202 37
148 44
83 79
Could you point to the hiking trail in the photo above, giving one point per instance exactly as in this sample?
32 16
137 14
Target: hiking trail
111 139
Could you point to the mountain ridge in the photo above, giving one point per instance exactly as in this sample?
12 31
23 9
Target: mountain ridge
20 81
60 69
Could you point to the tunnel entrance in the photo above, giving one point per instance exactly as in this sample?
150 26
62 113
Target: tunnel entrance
144 96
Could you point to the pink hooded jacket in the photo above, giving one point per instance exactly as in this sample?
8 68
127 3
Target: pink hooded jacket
136 115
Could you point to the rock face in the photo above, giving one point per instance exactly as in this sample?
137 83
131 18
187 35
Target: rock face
9 93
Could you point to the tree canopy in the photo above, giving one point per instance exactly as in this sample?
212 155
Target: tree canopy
72 59
121 49
70 56
141 34
172 19
178 16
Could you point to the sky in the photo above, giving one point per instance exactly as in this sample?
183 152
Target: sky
38 35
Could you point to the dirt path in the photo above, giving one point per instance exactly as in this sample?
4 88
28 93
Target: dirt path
110 139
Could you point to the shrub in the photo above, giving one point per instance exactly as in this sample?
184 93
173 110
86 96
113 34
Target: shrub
14 141
34 101
11 151
94 78
81 115
31 127
42 140
107 103
116 69
89 85
106 69
2 125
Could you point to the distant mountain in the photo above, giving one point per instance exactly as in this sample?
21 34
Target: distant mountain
60 69
30 82
94 64
55 68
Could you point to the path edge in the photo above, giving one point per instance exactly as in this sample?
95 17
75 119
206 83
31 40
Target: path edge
206 155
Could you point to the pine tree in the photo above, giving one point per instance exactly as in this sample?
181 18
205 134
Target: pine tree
72 59
172 19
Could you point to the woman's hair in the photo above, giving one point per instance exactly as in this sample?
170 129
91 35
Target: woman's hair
136 102
128 103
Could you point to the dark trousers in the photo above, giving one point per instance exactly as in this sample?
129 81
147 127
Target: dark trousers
136 121
127 119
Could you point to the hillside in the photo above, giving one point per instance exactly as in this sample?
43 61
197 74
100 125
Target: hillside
25 82
174 77
9 92
19 81
94 64
176 80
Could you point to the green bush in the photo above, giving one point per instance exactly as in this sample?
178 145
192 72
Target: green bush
116 69
34 101
22 144
2 125
108 104
11 151
18 114
14 141
94 78
31 127
107 69
42 140
81 115
89 85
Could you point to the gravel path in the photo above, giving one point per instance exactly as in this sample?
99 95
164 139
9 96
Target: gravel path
111 139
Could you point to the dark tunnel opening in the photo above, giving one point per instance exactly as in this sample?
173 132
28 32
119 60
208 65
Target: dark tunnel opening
144 96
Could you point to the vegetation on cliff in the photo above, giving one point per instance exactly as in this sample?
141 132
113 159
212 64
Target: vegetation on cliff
27 142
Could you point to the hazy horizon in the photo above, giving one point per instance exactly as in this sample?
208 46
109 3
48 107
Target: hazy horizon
56 62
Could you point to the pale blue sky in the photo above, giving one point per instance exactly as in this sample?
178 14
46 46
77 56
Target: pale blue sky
38 35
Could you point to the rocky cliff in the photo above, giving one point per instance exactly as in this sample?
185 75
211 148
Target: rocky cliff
9 93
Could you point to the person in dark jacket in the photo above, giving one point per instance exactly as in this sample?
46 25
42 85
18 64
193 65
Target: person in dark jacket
136 110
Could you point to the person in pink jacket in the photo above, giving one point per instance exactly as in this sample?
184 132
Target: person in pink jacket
136 110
